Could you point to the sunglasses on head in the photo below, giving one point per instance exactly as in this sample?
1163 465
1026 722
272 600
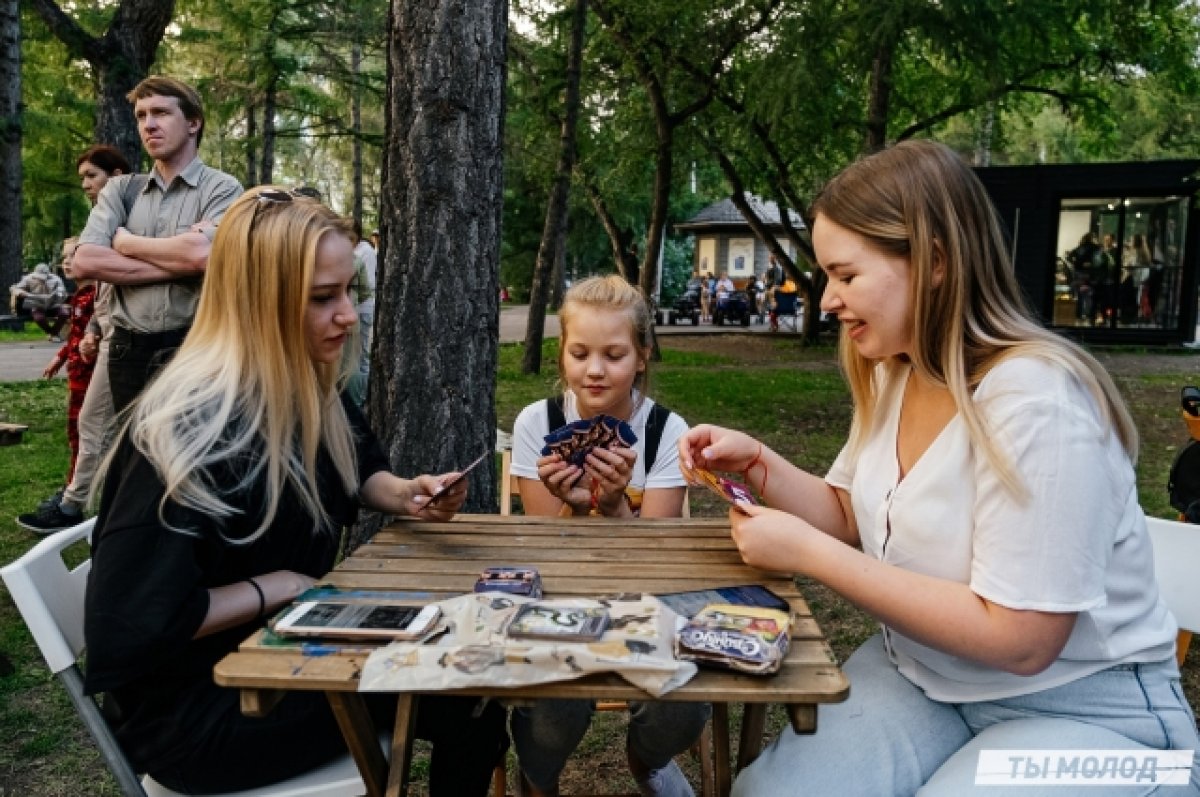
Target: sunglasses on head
279 195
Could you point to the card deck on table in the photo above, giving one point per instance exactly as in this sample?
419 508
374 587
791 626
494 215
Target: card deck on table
576 440
513 580
732 491
546 620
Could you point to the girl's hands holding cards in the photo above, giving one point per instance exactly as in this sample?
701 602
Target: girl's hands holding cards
565 482
610 470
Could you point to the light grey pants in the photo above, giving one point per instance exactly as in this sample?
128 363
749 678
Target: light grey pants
95 420
890 740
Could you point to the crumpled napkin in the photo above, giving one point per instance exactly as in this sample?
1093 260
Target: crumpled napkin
474 651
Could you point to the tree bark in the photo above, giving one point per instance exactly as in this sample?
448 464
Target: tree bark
433 370
554 232
879 97
119 59
10 143
268 130
251 144
356 128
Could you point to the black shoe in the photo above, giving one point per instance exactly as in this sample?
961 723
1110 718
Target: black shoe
49 519
53 500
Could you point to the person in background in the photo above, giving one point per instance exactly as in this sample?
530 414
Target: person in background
226 496
151 238
96 166
364 285
79 366
984 509
603 362
43 295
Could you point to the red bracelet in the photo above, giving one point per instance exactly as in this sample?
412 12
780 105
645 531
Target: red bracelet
757 461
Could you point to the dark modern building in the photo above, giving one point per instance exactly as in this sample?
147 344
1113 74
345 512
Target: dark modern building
1106 252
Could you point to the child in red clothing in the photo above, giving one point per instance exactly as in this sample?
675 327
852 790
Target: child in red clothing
79 368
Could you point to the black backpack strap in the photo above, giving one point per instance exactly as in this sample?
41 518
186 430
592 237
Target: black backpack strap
555 417
134 186
654 432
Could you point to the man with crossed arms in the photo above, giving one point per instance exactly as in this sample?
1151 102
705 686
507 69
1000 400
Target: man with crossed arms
155 250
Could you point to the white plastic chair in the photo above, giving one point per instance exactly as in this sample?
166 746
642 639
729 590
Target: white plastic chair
1176 552
49 596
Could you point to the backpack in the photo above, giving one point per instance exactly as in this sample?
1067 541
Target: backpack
655 424
1183 483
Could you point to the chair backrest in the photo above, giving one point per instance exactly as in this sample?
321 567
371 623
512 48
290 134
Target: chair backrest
49 595
1176 552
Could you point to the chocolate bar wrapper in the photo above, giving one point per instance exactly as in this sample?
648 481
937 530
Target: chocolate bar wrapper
748 639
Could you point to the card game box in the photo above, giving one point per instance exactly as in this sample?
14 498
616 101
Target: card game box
576 440
749 639
513 580
564 622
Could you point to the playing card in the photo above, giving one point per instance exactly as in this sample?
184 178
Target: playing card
732 491
576 440
461 475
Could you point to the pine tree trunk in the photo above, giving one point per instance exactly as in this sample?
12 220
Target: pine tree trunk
268 136
10 144
119 59
433 369
356 128
554 231
251 144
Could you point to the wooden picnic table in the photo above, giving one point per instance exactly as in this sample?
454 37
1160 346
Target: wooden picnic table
577 557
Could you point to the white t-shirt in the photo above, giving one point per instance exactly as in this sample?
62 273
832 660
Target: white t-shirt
530 429
1077 543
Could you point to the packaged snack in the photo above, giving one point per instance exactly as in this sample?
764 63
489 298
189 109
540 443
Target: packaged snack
520 580
750 639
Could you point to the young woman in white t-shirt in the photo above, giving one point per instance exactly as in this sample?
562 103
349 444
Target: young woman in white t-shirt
984 510
603 364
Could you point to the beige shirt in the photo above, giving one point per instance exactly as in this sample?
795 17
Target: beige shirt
161 210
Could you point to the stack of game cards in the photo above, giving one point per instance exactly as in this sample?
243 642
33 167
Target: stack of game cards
523 580
750 639
576 440
564 622
732 491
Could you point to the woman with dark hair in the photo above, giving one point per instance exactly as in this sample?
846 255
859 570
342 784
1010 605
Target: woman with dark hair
984 510
64 509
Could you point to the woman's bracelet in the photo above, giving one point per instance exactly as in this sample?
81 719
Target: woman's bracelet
757 461
262 599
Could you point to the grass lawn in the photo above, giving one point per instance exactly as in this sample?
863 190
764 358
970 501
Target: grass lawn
31 334
792 398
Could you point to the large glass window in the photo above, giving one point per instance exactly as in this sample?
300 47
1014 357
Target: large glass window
1119 262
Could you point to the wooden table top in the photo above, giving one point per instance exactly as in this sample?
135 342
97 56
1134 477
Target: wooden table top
585 557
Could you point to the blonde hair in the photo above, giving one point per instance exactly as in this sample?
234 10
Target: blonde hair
243 401
919 200
612 292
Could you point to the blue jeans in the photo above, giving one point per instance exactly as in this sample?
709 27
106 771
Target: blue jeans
546 733
890 739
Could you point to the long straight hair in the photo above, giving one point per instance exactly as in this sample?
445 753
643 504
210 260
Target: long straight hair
243 400
919 200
